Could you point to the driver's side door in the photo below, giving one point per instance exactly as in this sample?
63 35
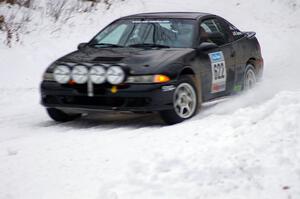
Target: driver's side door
219 63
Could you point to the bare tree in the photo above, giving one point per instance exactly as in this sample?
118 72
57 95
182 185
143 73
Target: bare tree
24 3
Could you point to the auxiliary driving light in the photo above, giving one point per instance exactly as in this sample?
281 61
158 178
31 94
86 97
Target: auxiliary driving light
97 74
115 75
80 74
62 74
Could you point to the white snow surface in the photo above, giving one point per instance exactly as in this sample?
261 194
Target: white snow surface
246 147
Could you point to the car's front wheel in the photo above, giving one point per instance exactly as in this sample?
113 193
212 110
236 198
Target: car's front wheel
185 102
60 116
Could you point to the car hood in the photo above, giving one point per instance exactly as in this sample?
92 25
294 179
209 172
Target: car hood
140 61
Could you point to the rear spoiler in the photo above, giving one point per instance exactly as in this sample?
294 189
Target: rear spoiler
250 35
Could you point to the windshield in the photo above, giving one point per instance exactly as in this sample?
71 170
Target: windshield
174 33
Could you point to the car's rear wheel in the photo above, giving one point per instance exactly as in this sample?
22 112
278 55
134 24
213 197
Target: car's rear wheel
250 78
185 102
60 116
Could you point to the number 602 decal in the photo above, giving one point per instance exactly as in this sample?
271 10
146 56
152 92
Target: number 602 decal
218 69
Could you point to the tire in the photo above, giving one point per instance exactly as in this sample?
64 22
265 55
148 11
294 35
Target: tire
185 102
250 78
60 116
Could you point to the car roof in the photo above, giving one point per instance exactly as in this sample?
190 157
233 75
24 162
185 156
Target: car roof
181 15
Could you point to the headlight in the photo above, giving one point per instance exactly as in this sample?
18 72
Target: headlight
115 75
62 74
80 74
147 79
143 79
97 74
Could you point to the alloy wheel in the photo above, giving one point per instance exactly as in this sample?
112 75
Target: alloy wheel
185 100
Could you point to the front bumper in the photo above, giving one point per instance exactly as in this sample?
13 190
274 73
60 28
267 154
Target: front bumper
129 97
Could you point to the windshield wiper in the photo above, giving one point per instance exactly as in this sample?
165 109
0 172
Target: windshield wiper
107 45
148 45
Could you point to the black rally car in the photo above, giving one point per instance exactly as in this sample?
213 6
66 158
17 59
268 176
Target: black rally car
169 63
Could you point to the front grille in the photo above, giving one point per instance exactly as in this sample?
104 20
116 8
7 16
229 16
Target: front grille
97 101
98 89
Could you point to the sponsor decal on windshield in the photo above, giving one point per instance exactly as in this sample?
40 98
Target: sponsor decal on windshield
151 21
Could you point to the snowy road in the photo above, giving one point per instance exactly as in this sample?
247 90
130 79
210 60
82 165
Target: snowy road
254 150
247 147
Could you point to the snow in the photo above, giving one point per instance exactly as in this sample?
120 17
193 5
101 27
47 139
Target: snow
246 147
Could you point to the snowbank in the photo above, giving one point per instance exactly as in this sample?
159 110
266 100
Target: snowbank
251 152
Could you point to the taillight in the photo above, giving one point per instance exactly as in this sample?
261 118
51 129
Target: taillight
258 48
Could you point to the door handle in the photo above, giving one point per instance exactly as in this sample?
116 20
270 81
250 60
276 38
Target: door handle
232 53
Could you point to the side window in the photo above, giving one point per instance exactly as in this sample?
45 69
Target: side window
212 31
235 32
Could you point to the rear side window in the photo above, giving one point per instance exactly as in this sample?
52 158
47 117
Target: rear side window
236 33
211 30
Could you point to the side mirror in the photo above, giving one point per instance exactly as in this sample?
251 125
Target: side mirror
207 46
81 46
